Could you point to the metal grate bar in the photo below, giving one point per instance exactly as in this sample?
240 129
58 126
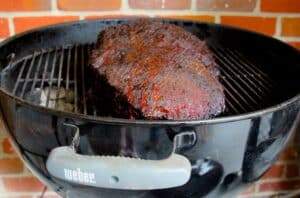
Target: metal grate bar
253 68
232 95
35 79
75 79
83 80
46 80
241 79
28 74
19 76
257 75
234 85
236 67
51 77
68 70
45 70
11 58
251 80
239 82
59 74
230 106
94 109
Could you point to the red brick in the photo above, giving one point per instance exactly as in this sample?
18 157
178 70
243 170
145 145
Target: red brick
4 29
290 153
226 5
150 4
295 44
22 184
114 16
25 23
265 25
160 4
89 4
6 146
11 165
290 26
190 17
177 4
292 170
280 5
279 185
24 5
276 171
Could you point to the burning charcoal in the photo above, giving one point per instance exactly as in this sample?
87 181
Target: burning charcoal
43 98
68 107
70 96
52 104
60 105
34 96
58 99
55 93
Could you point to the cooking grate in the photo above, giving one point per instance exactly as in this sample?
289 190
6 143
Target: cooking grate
56 78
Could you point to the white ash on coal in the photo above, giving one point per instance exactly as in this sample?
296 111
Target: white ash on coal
59 98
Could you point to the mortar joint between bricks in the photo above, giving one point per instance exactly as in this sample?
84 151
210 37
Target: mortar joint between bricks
217 18
278 26
256 187
11 26
9 156
54 5
145 12
257 10
193 5
124 5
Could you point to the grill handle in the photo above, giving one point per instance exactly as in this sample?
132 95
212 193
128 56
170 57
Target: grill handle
117 172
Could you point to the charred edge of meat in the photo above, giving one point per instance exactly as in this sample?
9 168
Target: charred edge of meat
107 100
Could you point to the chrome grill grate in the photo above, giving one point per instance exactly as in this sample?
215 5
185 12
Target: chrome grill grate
247 88
54 68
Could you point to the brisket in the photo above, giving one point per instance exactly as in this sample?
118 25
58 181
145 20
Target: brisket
155 70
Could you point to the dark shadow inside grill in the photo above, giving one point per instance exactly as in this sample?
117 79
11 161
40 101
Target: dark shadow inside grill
256 74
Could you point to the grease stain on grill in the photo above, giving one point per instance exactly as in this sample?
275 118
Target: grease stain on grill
57 78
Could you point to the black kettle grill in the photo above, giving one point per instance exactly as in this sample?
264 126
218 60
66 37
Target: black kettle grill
78 152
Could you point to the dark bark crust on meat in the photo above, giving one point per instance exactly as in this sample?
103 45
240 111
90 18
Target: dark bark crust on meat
108 101
154 70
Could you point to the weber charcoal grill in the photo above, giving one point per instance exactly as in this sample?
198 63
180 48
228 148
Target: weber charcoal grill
81 151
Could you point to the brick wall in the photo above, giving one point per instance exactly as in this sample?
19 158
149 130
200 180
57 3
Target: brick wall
278 18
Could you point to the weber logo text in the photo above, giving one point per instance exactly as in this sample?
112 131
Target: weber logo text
79 176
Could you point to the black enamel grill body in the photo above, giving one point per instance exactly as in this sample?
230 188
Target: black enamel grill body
261 80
